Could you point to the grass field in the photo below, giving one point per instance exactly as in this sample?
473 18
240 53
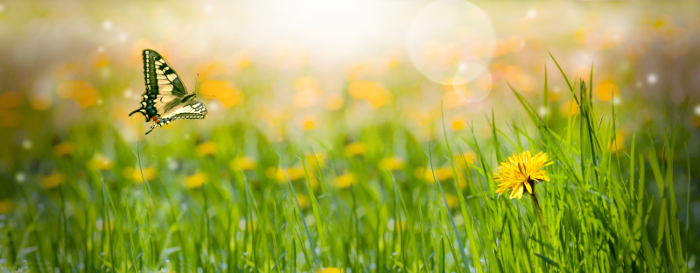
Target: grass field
376 201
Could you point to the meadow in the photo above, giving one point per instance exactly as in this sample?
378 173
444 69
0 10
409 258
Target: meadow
352 136
379 201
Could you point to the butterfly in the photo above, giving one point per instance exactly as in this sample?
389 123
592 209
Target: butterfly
166 98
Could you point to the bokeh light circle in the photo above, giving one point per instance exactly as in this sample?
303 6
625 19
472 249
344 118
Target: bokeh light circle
447 37
474 90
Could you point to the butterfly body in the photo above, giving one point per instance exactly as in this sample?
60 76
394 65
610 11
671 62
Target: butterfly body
166 98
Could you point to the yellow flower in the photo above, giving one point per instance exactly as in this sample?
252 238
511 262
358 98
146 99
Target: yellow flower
295 173
442 173
100 162
458 123
334 102
356 149
223 91
304 200
243 163
52 181
308 123
462 159
345 180
207 149
391 163
329 270
521 171
618 143
607 90
135 174
452 200
65 148
5 206
372 92
195 180
311 159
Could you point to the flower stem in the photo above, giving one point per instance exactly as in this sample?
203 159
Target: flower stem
538 210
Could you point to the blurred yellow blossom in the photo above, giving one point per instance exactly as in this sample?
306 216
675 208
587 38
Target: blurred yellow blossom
40 101
9 118
442 173
696 121
223 91
135 174
372 92
295 173
329 270
570 108
357 148
391 163
53 180
345 180
461 159
308 123
100 162
618 144
82 92
458 123
304 200
307 92
10 99
312 158
452 200
607 90
243 163
65 148
208 148
334 102
6 206
195 181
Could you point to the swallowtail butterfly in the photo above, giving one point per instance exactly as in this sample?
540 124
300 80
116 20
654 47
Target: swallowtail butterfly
166 98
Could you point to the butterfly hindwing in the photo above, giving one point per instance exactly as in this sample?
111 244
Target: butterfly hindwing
165 98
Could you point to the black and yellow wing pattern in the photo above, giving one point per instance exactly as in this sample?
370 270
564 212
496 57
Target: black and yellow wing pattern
166 98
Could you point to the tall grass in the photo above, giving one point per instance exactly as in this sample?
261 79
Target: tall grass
605 209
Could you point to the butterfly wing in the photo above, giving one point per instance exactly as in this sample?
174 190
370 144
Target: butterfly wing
164 90
191 110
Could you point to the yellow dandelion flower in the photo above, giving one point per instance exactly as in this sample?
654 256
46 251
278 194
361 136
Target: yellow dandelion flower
52 181
195 180
329 270
304 200
135 174
207 149
356 149
295 173
521 171
65 148
607 90
392 163
345 180
312 158
6 206
452 200
243 163
461 159
308 123
100 162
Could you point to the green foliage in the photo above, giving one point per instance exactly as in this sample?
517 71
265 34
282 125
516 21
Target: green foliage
604 209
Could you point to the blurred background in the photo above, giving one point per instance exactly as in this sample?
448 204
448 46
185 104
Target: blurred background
317 74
